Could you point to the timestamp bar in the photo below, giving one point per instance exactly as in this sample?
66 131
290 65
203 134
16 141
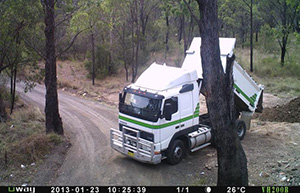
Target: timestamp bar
148 189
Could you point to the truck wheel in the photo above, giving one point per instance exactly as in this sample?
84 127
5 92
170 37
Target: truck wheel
240 128
176 152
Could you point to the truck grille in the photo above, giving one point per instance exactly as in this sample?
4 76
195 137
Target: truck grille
143 134
130 141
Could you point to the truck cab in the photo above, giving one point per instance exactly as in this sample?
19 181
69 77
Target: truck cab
156 109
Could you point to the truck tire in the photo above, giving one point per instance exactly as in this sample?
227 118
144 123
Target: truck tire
240 127
176 152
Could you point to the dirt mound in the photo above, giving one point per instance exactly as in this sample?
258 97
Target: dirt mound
289 112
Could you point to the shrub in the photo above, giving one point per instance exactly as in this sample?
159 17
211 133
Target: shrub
104 66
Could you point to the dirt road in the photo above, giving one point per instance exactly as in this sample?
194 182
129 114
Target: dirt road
91 161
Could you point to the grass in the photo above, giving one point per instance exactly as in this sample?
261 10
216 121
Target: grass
283 81
283 86
64 83
24 143
23 139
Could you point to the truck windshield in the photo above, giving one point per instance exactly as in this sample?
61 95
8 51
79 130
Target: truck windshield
143 107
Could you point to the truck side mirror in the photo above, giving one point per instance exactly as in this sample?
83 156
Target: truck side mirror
167 111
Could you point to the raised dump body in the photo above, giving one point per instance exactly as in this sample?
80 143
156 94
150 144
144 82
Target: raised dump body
248 94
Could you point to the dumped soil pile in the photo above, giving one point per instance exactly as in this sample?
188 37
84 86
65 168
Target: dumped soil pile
286 113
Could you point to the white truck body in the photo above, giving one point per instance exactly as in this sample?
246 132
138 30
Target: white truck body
244 86
159 113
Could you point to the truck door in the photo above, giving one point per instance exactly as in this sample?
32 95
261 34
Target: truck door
170 127
186 110
174 109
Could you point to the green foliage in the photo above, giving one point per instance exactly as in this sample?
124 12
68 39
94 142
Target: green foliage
268 42
104 66
115 27
267 57
297 35
281 16
280 80
234 18
17 20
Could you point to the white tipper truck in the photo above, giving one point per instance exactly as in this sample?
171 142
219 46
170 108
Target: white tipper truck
159 113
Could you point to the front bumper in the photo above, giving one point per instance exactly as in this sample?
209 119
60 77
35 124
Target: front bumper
134 146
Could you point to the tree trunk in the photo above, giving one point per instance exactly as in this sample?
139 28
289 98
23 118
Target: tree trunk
191 30
243 32
283 49
256 34
111 52
13 87
285 33
53 119
14 68
143 17
184 36
124 51
180 30
137 40
218 86
167 35
251 36
137 50
136 47
133 53
93 57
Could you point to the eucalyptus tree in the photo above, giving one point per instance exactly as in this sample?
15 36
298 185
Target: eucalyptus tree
186 11
88 17
51 10
17 18
281 16
218 89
